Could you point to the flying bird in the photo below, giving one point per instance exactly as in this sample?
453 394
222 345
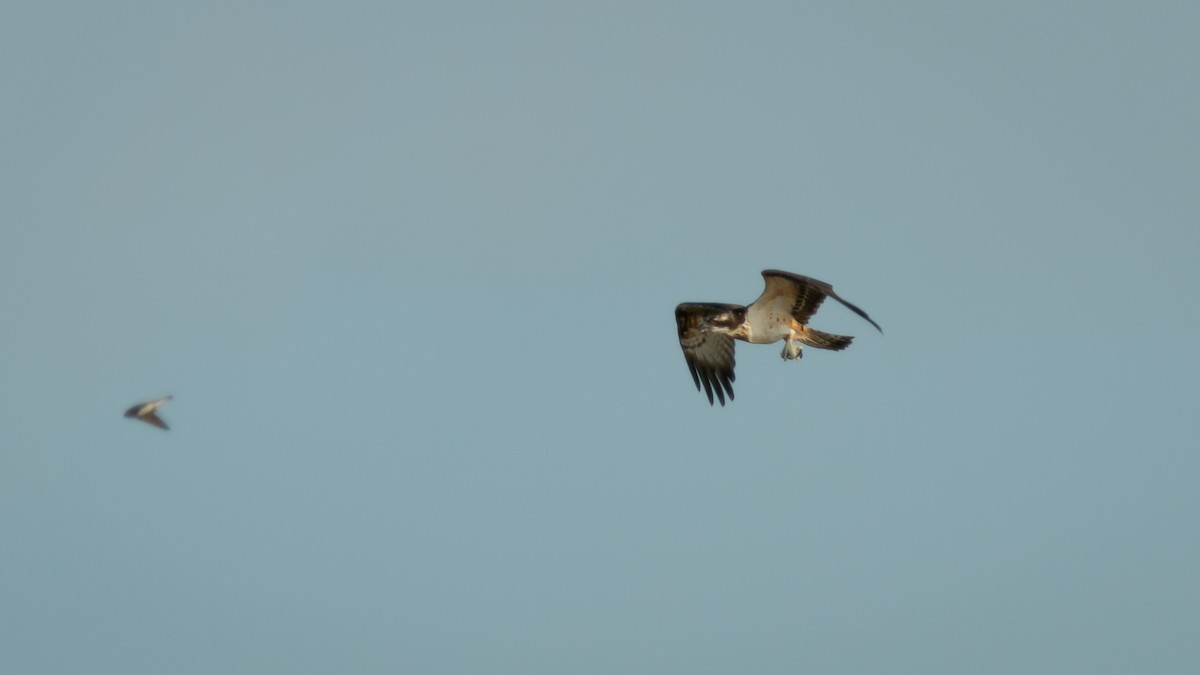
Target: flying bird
148 412
707 330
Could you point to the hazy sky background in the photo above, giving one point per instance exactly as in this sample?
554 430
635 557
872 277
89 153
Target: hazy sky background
410 270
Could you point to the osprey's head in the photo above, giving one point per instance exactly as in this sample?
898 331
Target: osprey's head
726 321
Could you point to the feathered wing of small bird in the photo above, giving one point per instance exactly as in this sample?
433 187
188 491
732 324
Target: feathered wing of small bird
148 412
707 330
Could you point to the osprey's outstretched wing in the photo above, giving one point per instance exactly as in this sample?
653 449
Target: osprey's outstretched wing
804 294
709 355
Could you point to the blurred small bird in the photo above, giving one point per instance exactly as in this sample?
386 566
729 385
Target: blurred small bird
147 412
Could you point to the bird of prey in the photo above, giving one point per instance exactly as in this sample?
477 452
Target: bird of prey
707 330
148 412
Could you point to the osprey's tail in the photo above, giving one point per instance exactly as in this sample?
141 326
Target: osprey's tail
815 338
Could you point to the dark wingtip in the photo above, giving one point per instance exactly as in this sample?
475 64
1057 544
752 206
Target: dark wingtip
857 310
872 321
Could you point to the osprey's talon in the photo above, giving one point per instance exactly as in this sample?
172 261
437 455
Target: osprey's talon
792 351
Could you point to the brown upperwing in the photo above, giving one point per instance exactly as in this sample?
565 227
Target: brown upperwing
709 355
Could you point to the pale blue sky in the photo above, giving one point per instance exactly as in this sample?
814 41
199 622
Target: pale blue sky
410 270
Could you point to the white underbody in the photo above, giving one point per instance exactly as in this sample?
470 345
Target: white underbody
764 326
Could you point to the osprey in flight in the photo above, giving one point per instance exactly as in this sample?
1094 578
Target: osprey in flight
707 330
148 412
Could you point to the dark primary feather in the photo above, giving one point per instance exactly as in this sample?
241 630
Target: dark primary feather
709 355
